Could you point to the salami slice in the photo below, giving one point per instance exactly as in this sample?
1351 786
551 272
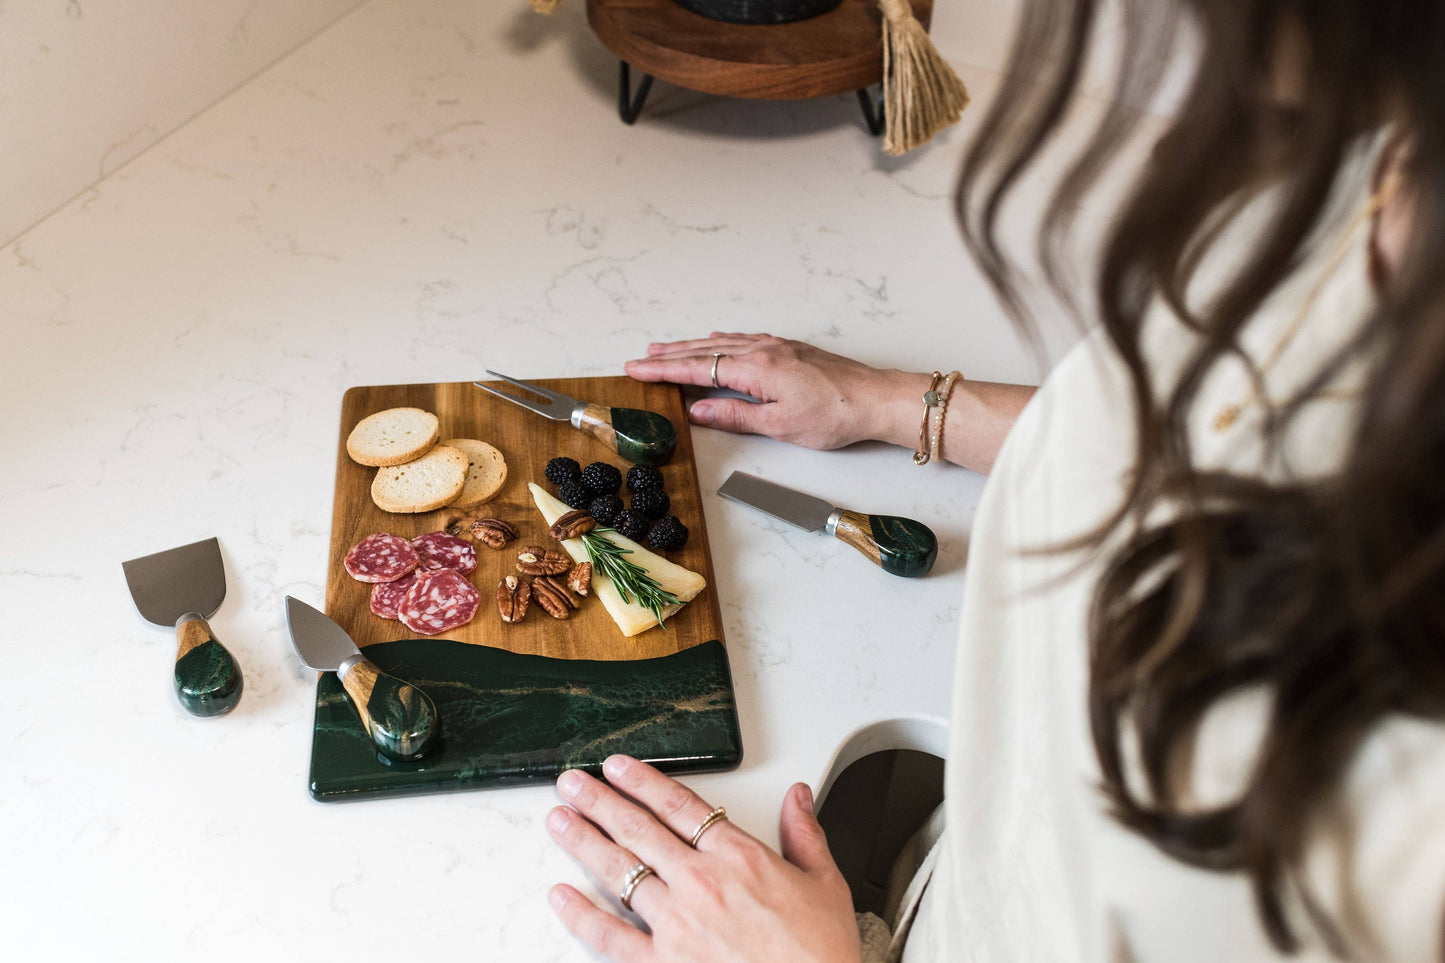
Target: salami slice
386 596
438 601
442 550
381 558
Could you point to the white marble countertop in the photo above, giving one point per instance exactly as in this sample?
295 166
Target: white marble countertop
426 189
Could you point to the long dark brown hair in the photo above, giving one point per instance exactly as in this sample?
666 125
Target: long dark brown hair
1326 592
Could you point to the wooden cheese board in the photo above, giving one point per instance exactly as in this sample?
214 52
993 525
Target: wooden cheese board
507 691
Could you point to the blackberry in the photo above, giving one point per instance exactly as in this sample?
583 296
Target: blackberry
602 478
652 502
631 524
560 470
605 508
574 493
644 478
667 534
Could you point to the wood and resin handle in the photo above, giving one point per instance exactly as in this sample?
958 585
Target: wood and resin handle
900 546
208 678
400 718
641 437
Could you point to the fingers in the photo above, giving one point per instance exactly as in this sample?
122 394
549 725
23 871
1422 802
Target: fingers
731 414
628 824
608 862
676 806
717 341
606 934
692 369
803 841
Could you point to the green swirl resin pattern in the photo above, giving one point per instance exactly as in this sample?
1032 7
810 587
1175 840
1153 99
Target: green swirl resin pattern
403 719
509 719
906 547
208 680
643 437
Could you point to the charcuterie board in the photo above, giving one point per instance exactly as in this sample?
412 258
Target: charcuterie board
521 702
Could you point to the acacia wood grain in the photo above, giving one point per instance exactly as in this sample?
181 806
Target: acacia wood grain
526 440
835 53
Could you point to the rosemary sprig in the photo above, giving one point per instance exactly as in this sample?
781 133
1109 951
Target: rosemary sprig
631 579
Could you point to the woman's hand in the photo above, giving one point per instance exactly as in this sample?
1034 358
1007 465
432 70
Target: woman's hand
732 898
810 397
816 399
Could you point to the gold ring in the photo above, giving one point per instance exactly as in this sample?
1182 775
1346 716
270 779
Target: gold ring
716 357
634 876
717 815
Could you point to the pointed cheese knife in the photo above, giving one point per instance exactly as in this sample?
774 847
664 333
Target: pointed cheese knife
400 718
900 546
642 437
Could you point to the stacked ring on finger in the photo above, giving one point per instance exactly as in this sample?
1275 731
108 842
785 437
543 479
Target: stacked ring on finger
716 357
718 814
634 876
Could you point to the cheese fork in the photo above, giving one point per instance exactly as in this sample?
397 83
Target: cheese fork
641 437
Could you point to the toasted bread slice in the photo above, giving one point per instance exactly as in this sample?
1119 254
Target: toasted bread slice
486 471
428 483
392 437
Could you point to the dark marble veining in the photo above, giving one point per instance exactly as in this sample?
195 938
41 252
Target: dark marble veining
643 437
508 719
906 547
208 680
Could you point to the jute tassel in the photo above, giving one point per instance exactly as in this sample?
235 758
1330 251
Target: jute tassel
921 93
545 6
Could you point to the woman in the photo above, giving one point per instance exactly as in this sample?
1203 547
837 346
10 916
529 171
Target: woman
1201 674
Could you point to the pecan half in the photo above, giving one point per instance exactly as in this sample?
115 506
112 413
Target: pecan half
573 600
579 579
572 524
535 560
493 532
552 598
512 597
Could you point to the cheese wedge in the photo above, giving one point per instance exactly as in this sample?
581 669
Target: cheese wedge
630 617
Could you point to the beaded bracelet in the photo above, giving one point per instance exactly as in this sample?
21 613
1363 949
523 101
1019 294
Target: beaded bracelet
946 392
930 399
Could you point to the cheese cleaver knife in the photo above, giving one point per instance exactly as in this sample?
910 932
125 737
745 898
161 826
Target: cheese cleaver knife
900 546
182 587
400 718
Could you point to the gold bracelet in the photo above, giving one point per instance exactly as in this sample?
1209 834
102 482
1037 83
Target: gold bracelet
930 399
944 393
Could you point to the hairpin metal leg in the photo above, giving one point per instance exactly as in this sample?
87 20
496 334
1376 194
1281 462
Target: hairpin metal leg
874 118
628 105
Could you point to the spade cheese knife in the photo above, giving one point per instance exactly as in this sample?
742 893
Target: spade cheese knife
183 587
400 718
642 437
900 546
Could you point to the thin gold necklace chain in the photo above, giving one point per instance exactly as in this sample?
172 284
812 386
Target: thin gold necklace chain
1377 202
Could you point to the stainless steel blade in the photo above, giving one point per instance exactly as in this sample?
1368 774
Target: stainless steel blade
785 504
557 406
178 581
322 644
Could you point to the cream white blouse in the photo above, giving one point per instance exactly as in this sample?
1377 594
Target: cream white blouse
1030 867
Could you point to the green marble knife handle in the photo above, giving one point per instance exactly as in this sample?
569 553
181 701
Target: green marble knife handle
401 719
900 546
208 678
641 437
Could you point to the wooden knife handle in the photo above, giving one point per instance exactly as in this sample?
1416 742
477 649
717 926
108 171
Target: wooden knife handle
901 546
208 678
400 718
641 437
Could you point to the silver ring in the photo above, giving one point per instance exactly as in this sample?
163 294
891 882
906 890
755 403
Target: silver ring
634 876
717 815
716 357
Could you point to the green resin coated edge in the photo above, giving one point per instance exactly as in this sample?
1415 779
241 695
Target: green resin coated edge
906 547
208 680
643 437
403 719
508 719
